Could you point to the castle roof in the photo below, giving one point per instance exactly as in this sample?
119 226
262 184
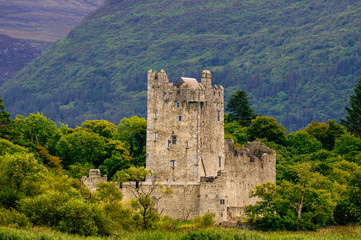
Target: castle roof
191 82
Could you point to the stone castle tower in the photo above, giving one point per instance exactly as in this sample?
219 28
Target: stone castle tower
187 152
185 136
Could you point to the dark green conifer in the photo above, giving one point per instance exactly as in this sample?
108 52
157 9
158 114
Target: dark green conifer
239 109
353 120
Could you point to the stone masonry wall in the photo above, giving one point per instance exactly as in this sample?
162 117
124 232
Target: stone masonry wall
185 135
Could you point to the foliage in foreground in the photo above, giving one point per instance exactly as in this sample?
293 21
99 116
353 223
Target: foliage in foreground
339 233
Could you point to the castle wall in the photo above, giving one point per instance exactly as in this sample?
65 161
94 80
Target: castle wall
94 178
214 196
246 168
183 203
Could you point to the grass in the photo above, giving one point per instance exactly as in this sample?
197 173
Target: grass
330 233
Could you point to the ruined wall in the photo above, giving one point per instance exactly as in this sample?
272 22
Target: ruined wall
94 178
246 168
214 196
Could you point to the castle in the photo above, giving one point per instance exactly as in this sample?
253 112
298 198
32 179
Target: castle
188 154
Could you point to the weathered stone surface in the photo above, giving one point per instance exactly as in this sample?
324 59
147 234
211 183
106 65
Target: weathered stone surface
187 152
94 178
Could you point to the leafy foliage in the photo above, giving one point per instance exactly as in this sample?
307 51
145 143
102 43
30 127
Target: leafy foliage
268 128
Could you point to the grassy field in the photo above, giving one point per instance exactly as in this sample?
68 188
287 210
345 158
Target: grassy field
331 233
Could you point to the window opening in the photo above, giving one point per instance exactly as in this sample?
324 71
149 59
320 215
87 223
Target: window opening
220 161
187 146
155 115
155 136
173 163
168 143
174 139
179 118
178 105
222 201
218 115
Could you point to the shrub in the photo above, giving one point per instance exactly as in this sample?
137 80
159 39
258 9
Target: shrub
67 213
13 218
207 220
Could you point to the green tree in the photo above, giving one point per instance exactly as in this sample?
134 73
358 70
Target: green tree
4 120
306 203
325 133
303 143
81 146
38 130
239 108
267 127
67 212
136 174
353 120
133 132
108 192
101 127
349 146
119 158
21 173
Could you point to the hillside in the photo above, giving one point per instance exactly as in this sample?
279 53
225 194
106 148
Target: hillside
14 55
43 21
298 60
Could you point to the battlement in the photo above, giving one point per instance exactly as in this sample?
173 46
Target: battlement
185 89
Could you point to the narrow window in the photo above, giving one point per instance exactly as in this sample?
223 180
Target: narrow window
179 118
222 201
218 115
173 163
174 139
187 146
178 105
220 161
155 115
168 143
155 136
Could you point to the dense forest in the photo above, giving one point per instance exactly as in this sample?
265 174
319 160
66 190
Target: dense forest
42 162
298 60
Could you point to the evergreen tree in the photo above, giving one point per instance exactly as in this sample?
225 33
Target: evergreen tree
239 108
353 119
4 116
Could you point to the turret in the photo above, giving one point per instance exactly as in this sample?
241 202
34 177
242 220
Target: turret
206 79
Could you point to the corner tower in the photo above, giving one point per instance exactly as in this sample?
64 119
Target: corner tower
185 128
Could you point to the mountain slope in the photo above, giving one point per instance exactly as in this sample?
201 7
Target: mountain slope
43 20
14 55
298 60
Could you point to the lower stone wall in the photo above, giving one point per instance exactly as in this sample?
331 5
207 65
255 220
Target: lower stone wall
182 203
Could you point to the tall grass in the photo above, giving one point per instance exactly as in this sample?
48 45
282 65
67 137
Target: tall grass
332 233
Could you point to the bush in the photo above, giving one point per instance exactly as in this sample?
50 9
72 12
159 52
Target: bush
67 213
207 220
13 218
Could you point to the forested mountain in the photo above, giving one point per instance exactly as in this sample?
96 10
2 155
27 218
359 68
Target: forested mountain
298 60
43 21
14 55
